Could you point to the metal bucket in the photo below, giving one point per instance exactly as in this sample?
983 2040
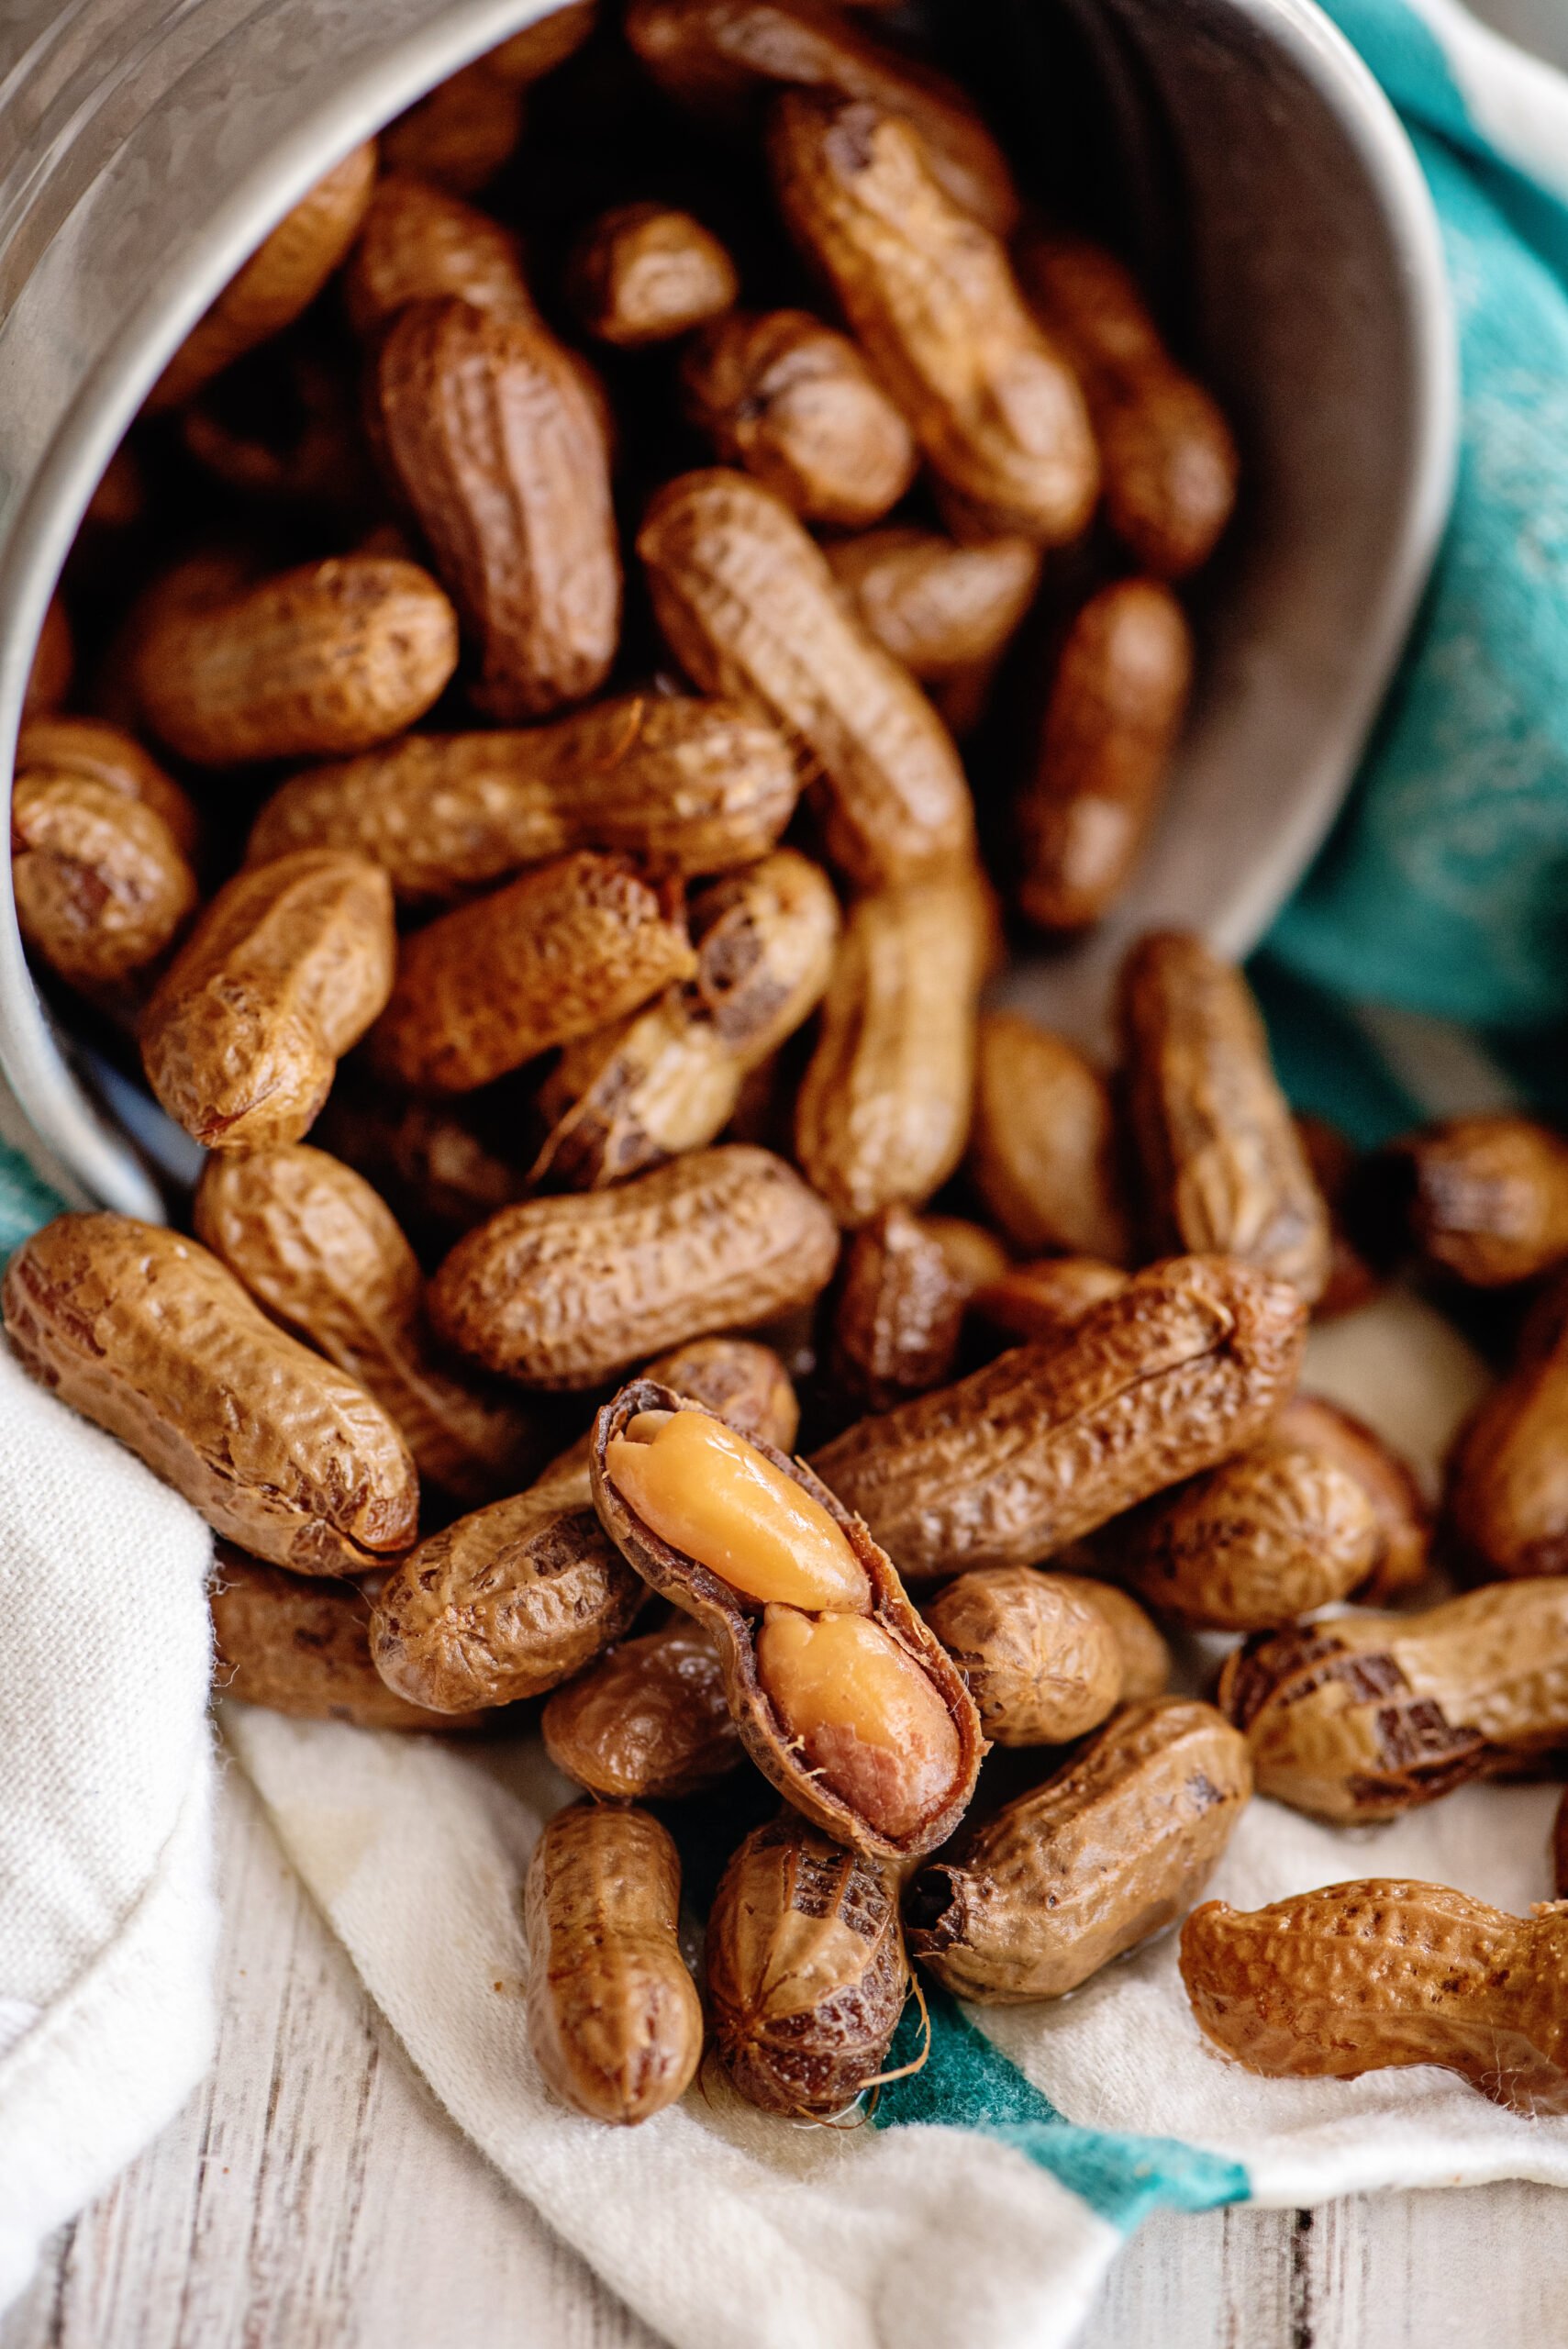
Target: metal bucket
147 145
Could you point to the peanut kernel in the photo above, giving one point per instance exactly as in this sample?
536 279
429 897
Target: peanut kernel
710 1494
866 1714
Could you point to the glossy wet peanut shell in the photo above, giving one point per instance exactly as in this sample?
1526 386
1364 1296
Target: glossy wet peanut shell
1039 1657
1090 1865
899 1314
1172 1375
566 1292
686 785
1107 731
314 663
748 607
418 243
285 969
101 887
1042 1149
491 435
645 273
89 750
1146 1663
939 607
883 1108
648 1722
1369 1715
147 1335
1358 1977
1044 1299
719 56
1403 1520
930 296
461 132
546 958
615 2021
1506 1494
1167 455
807 1974
793 401
316 1246
301 1647
1487 1197
732 1622
1221 1162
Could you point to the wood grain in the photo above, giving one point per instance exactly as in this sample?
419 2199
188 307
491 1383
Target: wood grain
313 2196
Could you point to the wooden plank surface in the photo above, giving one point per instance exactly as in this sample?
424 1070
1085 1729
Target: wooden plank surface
313 2196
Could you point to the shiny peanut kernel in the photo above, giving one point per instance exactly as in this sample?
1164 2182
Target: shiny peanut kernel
864 1711
711 1495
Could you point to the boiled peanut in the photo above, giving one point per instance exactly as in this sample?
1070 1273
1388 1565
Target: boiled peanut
1505 1496
283 277
1091 1864
930 295
1145 1657
1354 1278
1359 1977
1172 1375
899 1314
1487 1197
668 1078
1045 1299
842 1698
437 1173
715 56
490 984
1222 1163
418 243
807 1974
490 433
1039 1657
101 887
299 1646
615 2021
148 1336
645 273
648 1722
1367 1715
87 750
974 1255
330 658
1042 1151
1169 460
1109 726
747 605
883 1108
53 663
1560 1850
461 132
941 608
793 401
284 426
564 1292
515 1598
686 785
286 968
1403 1522
526 56
314 1244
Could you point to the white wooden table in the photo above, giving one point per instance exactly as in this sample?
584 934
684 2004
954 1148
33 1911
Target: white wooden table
313 2196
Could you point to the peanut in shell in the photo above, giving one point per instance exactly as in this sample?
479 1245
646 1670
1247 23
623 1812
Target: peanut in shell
899 1314
301 1646
1042 1149
1040 1657
649 1722
942 609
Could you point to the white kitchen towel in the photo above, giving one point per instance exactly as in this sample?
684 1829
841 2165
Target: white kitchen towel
107 1919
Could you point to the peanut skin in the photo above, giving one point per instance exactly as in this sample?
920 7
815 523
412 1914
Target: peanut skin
900 1312
547 958
941 608
328 659
686 785
1222 1163
615 2021
930 295
807 1974
883 1108
747 605
1172 1375
313 1243
1111 724
300 1647
1359 1977
649 1722
1042 1151
1091 1864
793 401
491 436
1169 460
646 272
1040 1655
282 278
287 967
149 1337
1366 1716
565 1292
715 55
418 243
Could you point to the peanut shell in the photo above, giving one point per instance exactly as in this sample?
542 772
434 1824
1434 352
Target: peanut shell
943 610
645 273
418 243
900 1312
300 1646
1039 1657
1042 1151
649 1722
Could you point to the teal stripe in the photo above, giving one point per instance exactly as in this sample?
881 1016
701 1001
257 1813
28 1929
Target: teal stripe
1325 1061
26 1201
968 2084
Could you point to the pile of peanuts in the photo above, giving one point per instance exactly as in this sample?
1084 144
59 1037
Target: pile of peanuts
651 1116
